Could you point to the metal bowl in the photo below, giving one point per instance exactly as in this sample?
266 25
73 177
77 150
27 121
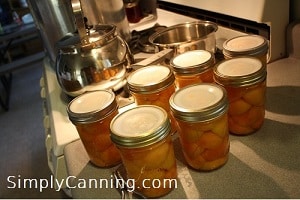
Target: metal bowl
186 36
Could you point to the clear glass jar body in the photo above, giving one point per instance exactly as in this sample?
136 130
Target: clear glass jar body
153 85
150 166
95 137
182 80
244 79
205 145
91 113
158 98
193 67
201 113
246 108
143 137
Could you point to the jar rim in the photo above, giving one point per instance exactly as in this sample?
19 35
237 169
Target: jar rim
257 71
152 84
239 46
142 136
217 102
92 114
193 68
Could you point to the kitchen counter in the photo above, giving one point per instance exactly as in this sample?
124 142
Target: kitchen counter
265 164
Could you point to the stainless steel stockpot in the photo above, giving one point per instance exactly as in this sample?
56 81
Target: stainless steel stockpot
186 36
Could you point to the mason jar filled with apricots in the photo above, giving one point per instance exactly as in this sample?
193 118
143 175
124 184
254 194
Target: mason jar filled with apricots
247 45
153 85
244 79
142 136
193 67
201 113
91 113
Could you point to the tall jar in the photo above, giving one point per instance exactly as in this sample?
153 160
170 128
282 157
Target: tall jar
247 45
153 85
142 136
244 79
92 113
201 113
193 67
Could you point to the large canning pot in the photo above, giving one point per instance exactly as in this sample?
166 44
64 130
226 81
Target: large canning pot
186 36
99 65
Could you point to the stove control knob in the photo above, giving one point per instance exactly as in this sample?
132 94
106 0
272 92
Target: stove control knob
42 81
43 93
46 122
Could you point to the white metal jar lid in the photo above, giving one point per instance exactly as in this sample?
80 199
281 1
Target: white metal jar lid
151 78
239 71
199 102
140 126
192 62
91 106
251 45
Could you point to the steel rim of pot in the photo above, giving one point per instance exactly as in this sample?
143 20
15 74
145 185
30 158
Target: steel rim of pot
155 36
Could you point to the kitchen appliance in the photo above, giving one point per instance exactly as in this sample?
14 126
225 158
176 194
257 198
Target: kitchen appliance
54 19
268 18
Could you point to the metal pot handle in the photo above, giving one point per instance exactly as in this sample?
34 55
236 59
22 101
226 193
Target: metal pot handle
77 11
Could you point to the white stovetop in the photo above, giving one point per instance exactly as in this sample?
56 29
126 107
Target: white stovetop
63 131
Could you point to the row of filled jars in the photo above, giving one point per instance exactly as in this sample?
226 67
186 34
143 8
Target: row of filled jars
195 97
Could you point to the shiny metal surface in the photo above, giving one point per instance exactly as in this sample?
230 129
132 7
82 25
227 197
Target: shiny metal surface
186 36
107 12
93 59
81 70
54 19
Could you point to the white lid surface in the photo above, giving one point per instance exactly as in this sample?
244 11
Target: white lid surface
90 102
198 97
149 75
191 58
239 66
244 43
139 121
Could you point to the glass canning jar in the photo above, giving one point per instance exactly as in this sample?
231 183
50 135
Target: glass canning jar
193 67
92 113
201 113
247 45
142 136
153 85
244 79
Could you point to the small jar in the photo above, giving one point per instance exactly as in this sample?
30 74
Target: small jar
153 85
133 10
244 79
142 136
201 113
92 113
247 45
193 67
